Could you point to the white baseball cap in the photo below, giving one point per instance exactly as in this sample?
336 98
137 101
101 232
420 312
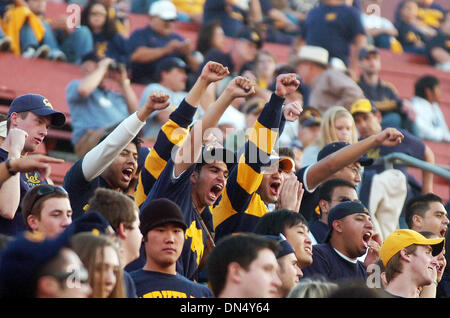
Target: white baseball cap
164 9
315 54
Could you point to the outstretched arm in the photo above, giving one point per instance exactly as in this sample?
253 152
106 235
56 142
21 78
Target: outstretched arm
189 152
101 156
324 168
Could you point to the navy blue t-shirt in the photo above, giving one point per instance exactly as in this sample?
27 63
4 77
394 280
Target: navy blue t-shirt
114 48
319 230
144 72
329 264
130 288
179 191
27 181
80 190
333 28
151 284
310 200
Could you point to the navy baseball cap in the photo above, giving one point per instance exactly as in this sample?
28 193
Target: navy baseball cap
310 117
335 146
168 63
90 56
92 221
250 35
23 258
342 210
38 105
365 51
285 247
210 154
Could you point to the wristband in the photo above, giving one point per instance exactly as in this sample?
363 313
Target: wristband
9 168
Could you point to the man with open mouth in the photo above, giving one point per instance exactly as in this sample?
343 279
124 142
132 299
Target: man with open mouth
349 236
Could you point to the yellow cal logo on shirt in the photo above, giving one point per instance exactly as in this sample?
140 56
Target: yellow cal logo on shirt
197 240
331 16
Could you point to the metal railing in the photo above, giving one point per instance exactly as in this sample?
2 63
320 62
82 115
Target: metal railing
403 159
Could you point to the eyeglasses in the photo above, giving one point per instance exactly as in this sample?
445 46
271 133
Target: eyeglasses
79 276
46 189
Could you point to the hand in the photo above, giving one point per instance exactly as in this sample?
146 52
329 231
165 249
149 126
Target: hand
291 193
240 87
15 141
173 45
104 63
389 137
213 72
292 111
409 110
373 252
185 48
157 100
286 84
40 163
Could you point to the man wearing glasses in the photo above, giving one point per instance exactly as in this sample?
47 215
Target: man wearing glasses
29 119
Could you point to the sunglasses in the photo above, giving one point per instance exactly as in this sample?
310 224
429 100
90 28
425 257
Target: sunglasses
45 190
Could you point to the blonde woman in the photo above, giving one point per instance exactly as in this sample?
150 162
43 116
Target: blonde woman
100 255
337 125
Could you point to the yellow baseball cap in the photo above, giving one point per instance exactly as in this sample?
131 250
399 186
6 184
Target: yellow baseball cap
363 105
399 239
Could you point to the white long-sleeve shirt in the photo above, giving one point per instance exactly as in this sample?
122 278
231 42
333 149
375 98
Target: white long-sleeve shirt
430 120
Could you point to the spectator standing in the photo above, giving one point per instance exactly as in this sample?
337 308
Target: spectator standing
409 260
34 267
163 228
244 266
113 162
100 255
46 209
95 108
430 122
350 236
29 118
427 213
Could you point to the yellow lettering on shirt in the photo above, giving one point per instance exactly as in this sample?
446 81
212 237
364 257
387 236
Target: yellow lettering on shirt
165 294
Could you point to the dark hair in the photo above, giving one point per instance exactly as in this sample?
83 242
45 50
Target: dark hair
278 221
356 289
418 205
427 81
205 36
136 140
326 189
109 28
242 249
286 152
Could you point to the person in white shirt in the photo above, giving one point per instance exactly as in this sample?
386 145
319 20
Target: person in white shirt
431 124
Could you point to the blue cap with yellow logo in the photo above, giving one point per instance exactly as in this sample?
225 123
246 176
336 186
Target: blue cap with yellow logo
250 35
38 105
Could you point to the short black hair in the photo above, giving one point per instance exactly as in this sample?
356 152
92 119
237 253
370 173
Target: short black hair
418 205
277 221
424 82
326 189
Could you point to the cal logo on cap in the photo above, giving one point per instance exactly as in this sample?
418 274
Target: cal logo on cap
255 36
47 103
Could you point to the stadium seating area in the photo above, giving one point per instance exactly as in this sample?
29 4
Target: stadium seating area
19 76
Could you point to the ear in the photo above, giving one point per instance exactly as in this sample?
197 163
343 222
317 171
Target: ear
194 177
122 231
417 221
33 222
13 119
338 226
234 273
405 256
378 116
323 205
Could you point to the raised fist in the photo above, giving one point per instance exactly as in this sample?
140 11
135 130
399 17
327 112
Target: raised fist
286 84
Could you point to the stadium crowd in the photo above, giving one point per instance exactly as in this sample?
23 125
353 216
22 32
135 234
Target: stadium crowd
233 174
